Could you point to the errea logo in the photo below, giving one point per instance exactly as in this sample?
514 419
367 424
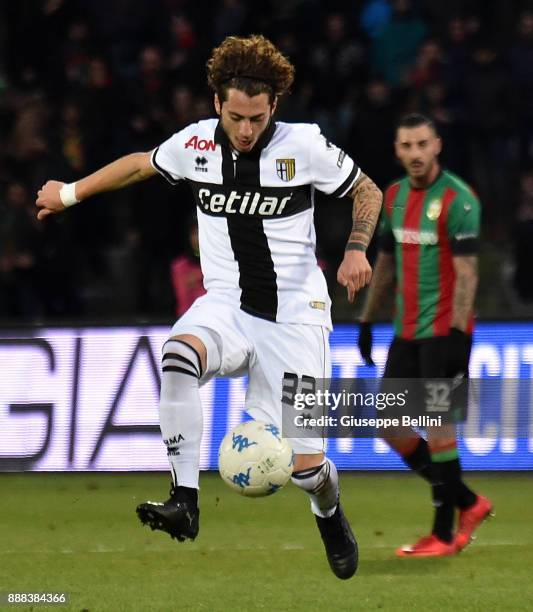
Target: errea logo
201 164
200 144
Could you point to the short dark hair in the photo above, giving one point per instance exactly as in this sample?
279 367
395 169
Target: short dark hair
413 120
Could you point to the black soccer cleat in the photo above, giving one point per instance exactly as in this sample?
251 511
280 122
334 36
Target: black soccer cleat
178 516
340 544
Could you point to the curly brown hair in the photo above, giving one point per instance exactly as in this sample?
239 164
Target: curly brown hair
252 65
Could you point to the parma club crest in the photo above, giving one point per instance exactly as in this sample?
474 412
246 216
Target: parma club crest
286 169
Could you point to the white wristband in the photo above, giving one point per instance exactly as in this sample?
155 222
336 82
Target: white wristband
67 193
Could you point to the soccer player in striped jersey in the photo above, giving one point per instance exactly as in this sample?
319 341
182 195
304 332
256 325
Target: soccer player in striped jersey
266 312
428 245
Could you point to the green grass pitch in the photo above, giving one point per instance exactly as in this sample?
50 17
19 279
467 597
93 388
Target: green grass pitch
79 533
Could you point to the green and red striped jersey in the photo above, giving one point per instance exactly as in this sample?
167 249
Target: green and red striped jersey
424 228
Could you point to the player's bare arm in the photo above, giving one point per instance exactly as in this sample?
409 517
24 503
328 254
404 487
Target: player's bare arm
355 271
122 172
383 278
466 280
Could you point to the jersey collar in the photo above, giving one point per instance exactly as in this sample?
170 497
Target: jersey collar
433 182
222 139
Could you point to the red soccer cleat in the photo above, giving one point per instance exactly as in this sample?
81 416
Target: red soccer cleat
428 546
470 519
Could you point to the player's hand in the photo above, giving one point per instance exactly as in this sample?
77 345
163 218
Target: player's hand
364 342
354 272
458 352
48 199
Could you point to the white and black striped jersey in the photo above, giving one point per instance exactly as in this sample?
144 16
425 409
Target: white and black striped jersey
255 213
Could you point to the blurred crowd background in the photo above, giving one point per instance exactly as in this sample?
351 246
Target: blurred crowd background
85 81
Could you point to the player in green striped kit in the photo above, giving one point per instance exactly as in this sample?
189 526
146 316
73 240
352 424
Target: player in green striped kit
428 251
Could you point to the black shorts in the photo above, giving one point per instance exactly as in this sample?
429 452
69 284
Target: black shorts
424 358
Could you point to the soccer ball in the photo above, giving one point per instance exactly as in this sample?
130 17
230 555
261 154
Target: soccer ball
254 459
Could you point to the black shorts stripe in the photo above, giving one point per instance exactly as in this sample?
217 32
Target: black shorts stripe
182 359
168 176
171 368
340 191
257 277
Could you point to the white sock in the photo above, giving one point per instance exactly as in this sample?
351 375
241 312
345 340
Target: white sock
321 483
180 412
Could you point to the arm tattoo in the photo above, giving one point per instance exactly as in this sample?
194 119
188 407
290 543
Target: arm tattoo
464 290
366 206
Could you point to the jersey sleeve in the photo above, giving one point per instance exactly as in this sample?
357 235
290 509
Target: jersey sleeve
168 158
463 224
385 236
386 240
333 171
